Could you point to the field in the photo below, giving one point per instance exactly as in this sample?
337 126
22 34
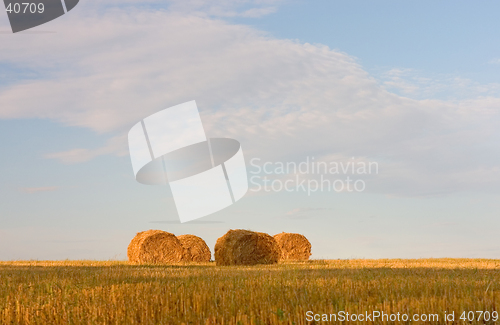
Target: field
90 292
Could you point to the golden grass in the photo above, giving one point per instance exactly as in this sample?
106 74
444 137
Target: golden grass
114 292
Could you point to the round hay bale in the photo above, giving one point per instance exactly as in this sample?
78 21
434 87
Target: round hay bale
294 247
155 247
196 248
245 247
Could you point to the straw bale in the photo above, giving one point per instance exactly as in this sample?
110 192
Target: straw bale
245 247
155 247
196 248
294 247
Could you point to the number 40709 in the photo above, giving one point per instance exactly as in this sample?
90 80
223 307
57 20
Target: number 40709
479 316
25 8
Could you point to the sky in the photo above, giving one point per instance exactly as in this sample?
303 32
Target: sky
411 86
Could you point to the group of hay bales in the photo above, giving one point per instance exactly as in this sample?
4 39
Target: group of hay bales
161 247
236 247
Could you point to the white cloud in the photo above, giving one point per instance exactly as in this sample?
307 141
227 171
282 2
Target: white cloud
280 98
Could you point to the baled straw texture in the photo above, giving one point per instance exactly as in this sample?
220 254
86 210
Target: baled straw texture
196 248
245 247
294 247
155 247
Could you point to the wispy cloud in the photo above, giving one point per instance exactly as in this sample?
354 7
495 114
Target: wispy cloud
226 8
302 213
201 222
116 146
31 190
417 85
495 61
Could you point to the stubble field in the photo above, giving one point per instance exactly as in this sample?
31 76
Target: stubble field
92 292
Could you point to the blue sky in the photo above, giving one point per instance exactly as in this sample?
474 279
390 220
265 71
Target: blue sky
435 37
411 85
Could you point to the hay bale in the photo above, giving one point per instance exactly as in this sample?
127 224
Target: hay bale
245 247
155 247
196 248
294 247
